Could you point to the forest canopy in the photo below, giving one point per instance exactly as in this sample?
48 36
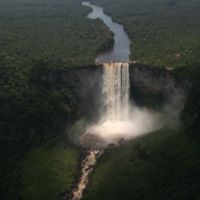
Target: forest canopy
38 36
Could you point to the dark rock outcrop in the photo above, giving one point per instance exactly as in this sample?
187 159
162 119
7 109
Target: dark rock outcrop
151 86
146 82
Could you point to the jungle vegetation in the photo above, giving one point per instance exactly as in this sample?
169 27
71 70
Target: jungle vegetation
38 35
162 32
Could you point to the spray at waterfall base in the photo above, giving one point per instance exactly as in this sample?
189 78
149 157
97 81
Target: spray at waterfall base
120 120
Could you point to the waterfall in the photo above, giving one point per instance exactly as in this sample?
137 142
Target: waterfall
115 90
115 122
120 120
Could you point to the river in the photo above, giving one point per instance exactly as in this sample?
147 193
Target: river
121 49
116 83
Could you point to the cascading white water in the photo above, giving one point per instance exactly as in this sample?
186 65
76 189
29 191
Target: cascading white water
119 119
115 121
116 86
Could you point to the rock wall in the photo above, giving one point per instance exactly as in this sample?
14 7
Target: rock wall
146 83
152 79
150 85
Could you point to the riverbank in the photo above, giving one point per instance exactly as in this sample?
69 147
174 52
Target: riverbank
163 33
121 44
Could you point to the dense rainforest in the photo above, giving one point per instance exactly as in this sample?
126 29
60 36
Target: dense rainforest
38 36
38 161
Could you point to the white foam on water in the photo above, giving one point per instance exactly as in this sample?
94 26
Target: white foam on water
120 120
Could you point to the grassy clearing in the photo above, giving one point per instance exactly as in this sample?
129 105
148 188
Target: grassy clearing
47 172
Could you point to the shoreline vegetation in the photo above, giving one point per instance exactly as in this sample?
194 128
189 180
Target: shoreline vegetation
163 33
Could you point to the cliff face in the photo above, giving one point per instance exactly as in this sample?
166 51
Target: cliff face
149 85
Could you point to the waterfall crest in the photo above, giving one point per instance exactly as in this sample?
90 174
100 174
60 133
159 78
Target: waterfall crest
115 91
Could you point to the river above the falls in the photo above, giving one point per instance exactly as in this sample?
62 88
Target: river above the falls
121 49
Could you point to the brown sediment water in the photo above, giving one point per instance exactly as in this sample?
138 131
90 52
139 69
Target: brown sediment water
87 167
116 84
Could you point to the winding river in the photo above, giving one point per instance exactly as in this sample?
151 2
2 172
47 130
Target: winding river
121 49
118 53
